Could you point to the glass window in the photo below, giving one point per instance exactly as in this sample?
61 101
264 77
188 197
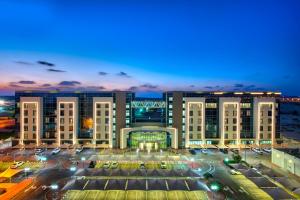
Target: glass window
234 128
269 113
269 128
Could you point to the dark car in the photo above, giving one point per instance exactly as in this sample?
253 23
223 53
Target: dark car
92 164
225 151
192 151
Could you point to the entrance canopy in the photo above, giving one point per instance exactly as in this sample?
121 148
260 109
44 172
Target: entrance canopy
149 135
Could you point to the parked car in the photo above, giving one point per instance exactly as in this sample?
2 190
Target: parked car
56 151
78 150
268 150
224 150
142 165
106 165
204 151
234 172
163 165
92 164
236 151
114 164
15 165
192 151
39 151
257 150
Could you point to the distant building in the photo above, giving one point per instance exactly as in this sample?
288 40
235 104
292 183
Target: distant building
288 159
290 120
7 115
120 120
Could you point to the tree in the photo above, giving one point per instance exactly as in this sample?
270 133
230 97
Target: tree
236 157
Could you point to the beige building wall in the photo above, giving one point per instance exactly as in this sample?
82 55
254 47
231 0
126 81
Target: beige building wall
264 119
31 119
194 121
67 120
229 119
103 120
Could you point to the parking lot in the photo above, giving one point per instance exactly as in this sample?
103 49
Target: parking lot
135 195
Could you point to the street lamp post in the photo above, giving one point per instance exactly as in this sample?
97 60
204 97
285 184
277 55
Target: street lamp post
82 159
245 152
26 170
193 160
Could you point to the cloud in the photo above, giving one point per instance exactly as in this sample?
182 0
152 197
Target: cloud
208 87
238 85
14 85
144 87
91 88
69 83
123 74
46 85
45 63
26 82
55 70
102 73
148 86
23 62
133 88
192 86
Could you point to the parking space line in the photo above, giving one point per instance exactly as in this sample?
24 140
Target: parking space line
85 184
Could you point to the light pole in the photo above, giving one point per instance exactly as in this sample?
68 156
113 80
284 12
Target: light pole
192 159
245 152
82 159
26 170
72 169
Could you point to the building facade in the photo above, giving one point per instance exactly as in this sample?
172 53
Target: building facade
120 120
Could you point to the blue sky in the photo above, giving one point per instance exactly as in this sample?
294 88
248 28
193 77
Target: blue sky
150 45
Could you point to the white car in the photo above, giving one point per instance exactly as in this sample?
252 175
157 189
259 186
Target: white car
114 164
16 165
106 165
163 165
56 150
78 150
204 151
38 151
234 172
268 150
257 150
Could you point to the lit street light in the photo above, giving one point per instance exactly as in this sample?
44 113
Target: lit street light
72 169
26 170
83 159
54 186
43 158
192 160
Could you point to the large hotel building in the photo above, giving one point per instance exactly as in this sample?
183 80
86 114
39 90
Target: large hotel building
120 120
